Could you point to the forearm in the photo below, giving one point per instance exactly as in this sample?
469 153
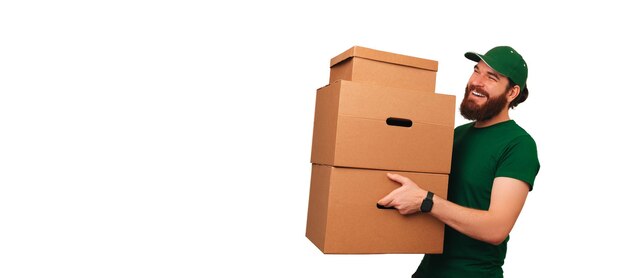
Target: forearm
478 224
492 226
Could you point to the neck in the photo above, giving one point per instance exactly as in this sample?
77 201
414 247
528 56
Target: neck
503 116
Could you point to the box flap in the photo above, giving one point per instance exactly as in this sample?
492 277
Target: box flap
373 54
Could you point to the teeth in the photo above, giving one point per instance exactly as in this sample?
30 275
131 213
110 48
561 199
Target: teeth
477 94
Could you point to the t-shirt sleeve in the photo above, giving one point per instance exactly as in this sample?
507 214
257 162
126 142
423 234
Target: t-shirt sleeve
520 161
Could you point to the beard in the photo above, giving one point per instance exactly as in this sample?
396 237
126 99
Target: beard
474 112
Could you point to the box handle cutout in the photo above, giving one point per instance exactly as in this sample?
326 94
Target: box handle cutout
399 122
383 207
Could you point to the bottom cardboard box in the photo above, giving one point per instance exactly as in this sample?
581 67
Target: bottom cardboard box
343 217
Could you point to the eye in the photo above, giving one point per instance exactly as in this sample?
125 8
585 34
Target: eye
493 77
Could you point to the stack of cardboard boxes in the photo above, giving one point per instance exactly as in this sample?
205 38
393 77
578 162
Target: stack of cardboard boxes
378 114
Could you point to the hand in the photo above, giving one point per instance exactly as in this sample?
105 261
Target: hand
407 199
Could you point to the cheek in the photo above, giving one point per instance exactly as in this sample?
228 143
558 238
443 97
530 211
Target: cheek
495 89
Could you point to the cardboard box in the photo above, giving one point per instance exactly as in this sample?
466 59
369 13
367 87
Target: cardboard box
343 217
362 126
384 68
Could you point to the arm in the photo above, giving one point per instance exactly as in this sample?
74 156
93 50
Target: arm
492 226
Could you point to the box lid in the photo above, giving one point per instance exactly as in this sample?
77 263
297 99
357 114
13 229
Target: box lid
377 55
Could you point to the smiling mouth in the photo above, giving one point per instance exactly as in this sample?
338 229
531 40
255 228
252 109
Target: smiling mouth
478 94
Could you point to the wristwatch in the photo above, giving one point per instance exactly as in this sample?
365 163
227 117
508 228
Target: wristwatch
427 203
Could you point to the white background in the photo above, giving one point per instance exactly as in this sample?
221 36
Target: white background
172 138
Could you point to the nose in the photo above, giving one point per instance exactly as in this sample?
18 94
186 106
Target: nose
477 80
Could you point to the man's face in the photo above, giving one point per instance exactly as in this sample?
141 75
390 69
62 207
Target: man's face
485 94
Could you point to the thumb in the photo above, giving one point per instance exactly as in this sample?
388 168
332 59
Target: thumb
398 178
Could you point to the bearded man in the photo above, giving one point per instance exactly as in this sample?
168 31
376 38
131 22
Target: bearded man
494 165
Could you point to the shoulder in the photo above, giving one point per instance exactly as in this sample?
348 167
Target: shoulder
519 136
519 159
522 143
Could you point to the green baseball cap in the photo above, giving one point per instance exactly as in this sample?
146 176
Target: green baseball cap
506 61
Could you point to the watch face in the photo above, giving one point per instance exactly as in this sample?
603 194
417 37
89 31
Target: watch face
427 203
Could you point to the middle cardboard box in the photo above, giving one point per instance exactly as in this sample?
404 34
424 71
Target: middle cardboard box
368 126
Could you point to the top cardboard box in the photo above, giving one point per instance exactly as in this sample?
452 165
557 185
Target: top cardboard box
384 68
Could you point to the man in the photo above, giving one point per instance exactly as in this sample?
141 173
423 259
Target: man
494 164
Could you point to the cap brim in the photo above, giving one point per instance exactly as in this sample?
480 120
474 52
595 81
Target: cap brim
477 58
473 56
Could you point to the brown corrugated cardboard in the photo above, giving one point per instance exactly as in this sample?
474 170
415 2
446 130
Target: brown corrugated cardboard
343 217
356 126
384 68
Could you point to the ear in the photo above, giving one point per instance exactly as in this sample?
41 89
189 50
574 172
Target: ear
513 93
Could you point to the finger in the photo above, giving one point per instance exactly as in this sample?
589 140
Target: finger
386 201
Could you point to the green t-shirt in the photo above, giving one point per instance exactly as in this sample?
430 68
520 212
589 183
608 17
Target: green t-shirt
479 156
